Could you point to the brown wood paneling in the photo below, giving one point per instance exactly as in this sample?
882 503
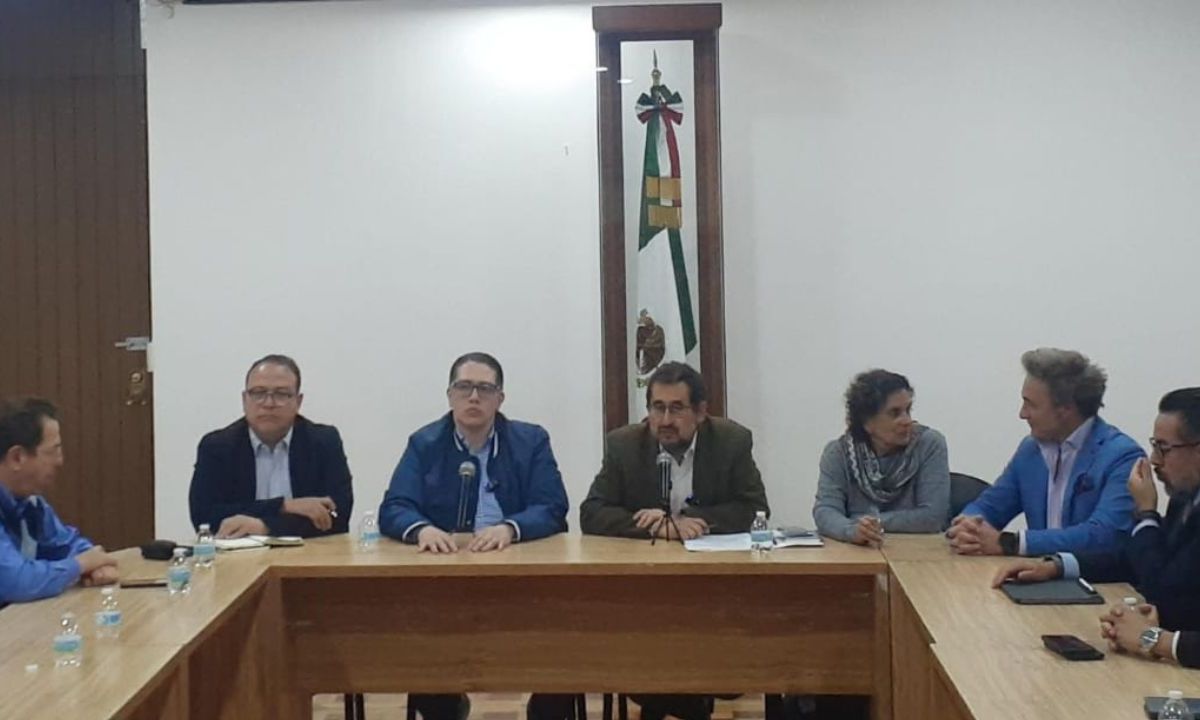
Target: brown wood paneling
911 659
710 261
612 237
662 22
74 246
794 633
238 671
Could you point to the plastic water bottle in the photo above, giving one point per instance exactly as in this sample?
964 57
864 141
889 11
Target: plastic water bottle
761 537
68 643
1176 708
179 574
108 617
205 549
368 531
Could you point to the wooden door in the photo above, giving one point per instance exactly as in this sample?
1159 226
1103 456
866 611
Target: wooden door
74 247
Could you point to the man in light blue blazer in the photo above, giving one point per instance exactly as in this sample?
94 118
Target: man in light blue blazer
1068 476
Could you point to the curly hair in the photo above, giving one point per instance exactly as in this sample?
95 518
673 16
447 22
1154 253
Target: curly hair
866 396
1071 378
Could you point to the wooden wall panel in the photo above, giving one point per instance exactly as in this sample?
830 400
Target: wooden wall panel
795 633
74 247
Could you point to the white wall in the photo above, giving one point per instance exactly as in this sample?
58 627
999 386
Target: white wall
375 187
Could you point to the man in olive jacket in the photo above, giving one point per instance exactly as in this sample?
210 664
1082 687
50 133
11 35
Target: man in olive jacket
715 487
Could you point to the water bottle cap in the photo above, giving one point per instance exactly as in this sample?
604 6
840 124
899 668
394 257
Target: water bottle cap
369 513
1175 694
180 552
1131 601
107 591
205 527
761 513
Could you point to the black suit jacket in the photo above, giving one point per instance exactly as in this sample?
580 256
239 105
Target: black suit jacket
1163 563
727 488
1187 650
224 482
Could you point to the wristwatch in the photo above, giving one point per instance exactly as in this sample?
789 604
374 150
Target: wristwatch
1140 515
1058 563
1010 544
1149 639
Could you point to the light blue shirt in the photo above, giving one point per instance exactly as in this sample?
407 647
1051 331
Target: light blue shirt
1060 461
487 510
37 551
272 473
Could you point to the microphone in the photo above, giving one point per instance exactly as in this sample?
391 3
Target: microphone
664 480
466 473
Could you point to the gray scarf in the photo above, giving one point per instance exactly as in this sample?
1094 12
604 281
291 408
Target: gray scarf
864 468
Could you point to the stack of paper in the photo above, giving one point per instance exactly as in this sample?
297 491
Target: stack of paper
741 541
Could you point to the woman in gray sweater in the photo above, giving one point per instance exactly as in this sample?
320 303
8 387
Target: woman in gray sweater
887 473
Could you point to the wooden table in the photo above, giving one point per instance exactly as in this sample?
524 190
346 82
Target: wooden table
265 630
916 627
964 650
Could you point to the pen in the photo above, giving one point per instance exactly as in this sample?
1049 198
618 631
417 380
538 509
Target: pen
333 513
1087 586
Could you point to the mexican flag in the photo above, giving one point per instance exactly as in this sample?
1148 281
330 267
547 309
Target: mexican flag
666 326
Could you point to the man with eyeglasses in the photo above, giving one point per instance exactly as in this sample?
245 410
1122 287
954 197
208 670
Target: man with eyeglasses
715 484
1161 557
274 471
475 472
715 487
40 556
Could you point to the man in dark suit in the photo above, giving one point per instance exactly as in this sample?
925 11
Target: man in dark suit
715 486
273 472
1161 557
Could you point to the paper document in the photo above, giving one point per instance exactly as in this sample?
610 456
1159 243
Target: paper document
741 541
242 543
719 543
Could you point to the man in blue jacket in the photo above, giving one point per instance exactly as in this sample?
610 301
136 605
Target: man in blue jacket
1162 554
40 556
1068 476
273 471
474 471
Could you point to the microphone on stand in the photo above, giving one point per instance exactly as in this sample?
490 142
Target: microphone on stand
665 467
664 481
466 473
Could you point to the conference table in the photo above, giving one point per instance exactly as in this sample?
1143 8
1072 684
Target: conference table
914 627
265 630
963 650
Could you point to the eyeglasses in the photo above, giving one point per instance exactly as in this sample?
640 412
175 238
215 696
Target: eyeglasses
261 395
463 389
661 409
1162 448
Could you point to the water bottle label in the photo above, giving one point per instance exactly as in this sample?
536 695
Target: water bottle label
370 536
763 537
179 576
204 551
67 643
108 619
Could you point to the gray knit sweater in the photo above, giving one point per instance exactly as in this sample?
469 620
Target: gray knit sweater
921 508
